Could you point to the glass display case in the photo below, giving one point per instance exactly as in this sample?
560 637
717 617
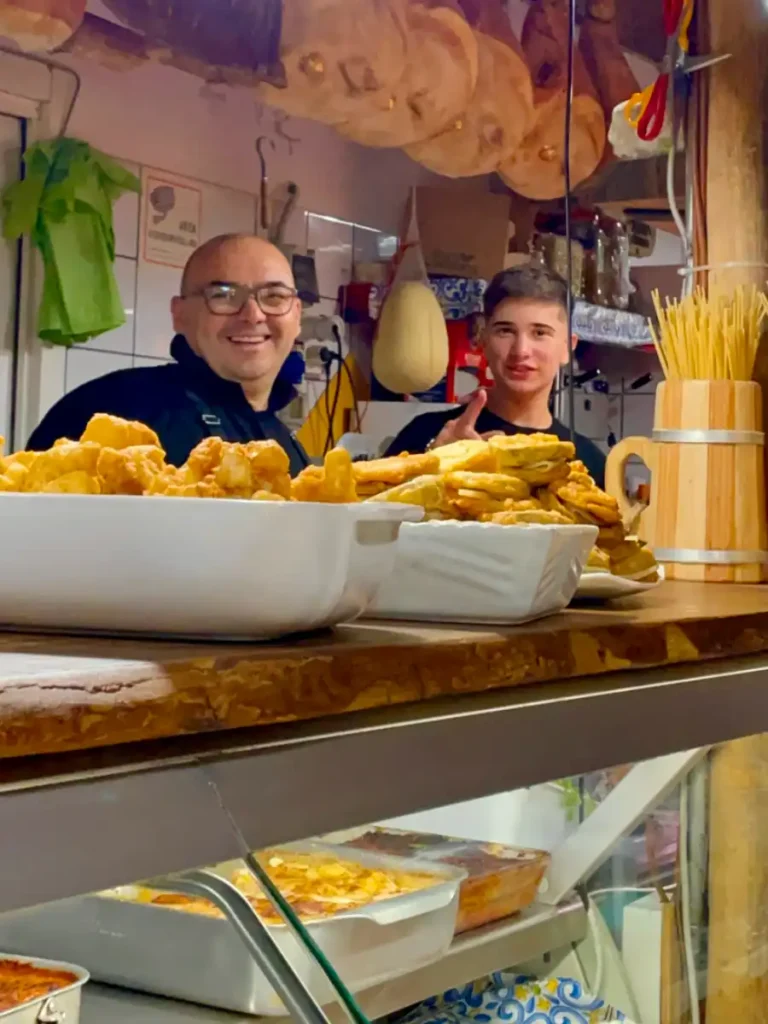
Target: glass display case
645 904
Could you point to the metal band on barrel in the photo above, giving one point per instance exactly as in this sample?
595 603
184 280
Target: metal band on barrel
709 436
701 556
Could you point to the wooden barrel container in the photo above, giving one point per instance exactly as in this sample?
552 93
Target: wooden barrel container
707 517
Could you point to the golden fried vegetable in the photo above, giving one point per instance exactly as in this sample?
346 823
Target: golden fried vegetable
497 485
130 470
517 451
333 482
114 432
395 470
427 491
76 482
466 456
62 459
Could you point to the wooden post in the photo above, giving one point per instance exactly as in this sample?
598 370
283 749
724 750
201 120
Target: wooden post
737 230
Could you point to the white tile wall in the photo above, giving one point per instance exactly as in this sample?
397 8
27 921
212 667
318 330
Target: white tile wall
82 366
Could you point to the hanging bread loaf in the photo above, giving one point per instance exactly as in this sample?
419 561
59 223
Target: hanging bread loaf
537 169
494 123
40 25
410 352
209 39
437 86
604 57
342 61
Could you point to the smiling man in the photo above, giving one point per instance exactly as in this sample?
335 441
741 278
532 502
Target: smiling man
236 320
526 342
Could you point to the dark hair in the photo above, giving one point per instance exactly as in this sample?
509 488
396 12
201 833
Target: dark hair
527 282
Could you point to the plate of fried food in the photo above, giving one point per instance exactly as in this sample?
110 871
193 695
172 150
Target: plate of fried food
103 537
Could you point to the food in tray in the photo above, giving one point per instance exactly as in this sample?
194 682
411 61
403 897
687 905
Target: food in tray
501 880
332 482
316 885
22 982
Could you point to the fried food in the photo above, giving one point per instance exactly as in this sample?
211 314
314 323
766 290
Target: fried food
130 470
527 517
496 485
333 482
114 432
61 460
466 456
633 560
427 491
598 561
377 475
218 468
520 451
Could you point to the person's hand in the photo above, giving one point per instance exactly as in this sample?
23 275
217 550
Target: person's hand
463 428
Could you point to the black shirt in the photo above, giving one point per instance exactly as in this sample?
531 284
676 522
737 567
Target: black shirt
183 402
417 435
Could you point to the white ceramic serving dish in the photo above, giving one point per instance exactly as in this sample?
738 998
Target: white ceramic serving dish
203 960
191 566
603 586
483 572
60 1006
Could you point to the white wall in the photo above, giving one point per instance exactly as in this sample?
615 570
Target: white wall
10 141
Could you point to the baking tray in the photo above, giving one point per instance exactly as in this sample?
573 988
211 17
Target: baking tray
202 960
59 1007
192 567
501 880
483 572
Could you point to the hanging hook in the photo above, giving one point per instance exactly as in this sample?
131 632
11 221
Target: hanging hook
263 211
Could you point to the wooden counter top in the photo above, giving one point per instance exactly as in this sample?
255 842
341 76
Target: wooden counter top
74 693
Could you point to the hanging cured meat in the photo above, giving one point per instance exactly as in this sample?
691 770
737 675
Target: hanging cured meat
210 37
495 122
537 169
437 86
342 61
39 25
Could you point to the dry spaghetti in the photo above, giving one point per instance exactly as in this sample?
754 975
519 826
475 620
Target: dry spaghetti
710 338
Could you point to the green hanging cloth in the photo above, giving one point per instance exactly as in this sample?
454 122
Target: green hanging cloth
64 203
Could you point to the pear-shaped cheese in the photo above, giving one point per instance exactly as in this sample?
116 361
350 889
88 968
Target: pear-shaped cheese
410 352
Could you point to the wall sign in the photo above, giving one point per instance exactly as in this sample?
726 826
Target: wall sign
171 220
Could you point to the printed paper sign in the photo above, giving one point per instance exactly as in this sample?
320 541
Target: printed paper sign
171 221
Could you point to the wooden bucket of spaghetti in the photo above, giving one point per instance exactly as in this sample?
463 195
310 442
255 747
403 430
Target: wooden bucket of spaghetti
707 515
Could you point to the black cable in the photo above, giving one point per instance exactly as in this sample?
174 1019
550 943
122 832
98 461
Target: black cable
567 170
353 389
327 401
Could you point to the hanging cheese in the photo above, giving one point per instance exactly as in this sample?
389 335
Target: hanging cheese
438 84
341 60
410 352
40 25
494 123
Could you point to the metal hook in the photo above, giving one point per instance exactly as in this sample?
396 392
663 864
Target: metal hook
263 211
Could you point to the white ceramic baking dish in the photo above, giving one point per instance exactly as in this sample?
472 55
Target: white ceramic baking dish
202 959
191 566
483 572
60 1007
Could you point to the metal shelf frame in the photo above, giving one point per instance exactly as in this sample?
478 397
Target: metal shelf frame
76 823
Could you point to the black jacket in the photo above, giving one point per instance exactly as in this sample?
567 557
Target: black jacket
416 436
183 402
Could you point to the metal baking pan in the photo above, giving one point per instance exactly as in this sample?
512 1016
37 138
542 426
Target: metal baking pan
202 960
59 1007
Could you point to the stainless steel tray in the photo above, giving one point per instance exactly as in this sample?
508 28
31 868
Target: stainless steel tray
60 1007
204 960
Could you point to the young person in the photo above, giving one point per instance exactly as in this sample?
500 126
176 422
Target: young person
526 342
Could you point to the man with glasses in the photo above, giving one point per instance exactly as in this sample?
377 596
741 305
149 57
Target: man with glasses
236 320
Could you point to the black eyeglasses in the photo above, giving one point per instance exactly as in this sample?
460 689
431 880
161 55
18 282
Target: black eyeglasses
226 299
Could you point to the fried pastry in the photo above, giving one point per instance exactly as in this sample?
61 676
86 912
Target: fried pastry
527 517
62 459
427 491
519 451
333 482
496 485
598 561
466 456
377 475
633 560
114 432
129 470
77 482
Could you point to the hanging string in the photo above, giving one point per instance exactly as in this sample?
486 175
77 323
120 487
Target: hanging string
568 240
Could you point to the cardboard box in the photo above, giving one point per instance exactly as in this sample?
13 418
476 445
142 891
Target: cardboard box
462 233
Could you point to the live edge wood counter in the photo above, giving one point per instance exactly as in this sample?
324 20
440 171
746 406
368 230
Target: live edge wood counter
75 693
